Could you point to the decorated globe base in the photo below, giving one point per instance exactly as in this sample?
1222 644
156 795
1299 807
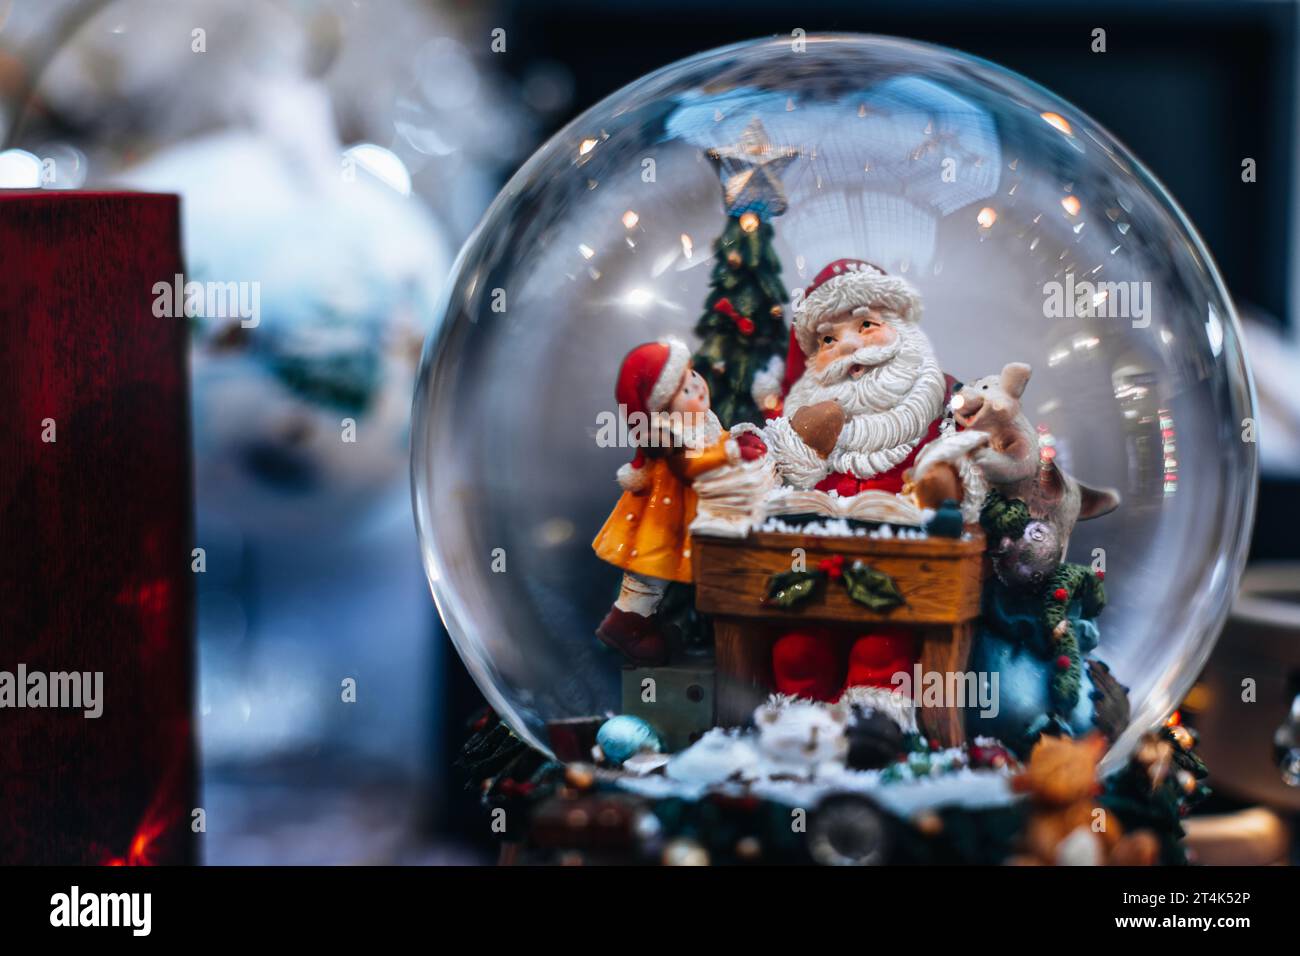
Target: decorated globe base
925 807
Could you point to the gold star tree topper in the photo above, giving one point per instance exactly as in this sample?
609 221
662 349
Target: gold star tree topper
751 172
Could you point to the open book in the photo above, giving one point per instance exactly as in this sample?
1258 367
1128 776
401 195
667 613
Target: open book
877 506
736 499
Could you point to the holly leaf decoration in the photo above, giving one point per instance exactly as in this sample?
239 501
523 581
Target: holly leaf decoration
872 588
790 587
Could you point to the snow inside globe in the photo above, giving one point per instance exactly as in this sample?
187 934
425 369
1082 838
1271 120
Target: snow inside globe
813 397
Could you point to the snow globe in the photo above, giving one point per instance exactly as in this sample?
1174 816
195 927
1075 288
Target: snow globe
846 418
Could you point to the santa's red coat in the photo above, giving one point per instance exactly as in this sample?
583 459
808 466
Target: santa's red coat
811 664
842 482
846 484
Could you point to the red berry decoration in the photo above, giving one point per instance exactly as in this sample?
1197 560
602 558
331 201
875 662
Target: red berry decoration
743 322
832 566
1060 594
1101 575
1063 663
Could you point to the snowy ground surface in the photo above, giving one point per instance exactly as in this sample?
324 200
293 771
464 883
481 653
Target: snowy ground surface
972 789
731 763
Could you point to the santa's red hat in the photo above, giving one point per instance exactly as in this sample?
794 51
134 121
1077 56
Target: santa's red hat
845 285
648 379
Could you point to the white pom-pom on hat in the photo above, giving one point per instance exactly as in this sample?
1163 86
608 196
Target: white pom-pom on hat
633 478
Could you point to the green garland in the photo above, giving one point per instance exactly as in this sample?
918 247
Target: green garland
1066 583
1003 517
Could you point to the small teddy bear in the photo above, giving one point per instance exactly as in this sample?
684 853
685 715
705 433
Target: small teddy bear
1011 460
1027 561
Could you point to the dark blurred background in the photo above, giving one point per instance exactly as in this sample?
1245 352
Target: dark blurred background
322 576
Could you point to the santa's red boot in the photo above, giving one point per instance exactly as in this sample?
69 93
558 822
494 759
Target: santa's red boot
635 636
806 665
875 658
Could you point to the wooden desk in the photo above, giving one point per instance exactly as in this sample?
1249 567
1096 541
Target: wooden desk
940 580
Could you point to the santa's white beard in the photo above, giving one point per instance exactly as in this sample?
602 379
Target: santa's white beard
889 407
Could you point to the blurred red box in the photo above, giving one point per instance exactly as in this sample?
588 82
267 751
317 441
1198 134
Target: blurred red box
96 529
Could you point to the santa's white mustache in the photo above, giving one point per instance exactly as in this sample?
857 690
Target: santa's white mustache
854 365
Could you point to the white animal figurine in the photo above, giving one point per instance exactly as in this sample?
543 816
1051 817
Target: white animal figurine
801 739
998 439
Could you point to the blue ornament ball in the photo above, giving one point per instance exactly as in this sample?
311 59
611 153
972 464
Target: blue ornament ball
625 736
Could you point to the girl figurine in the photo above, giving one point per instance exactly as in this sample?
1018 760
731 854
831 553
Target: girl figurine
677 438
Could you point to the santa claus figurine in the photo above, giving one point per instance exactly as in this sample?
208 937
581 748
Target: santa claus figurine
865 394
647 534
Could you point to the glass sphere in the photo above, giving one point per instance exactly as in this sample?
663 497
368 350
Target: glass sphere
1031 236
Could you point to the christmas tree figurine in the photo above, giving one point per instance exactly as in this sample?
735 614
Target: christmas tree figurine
742 331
